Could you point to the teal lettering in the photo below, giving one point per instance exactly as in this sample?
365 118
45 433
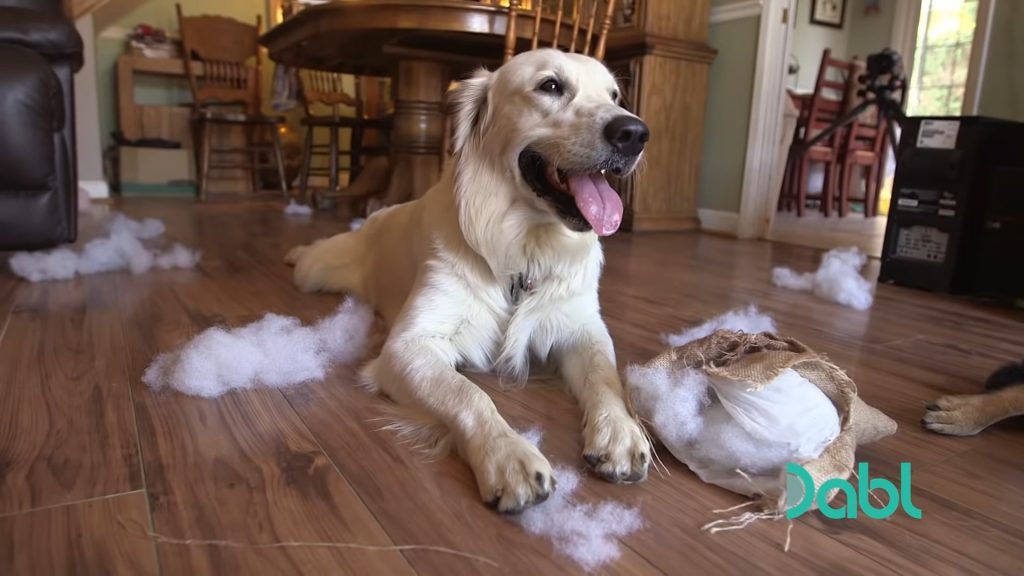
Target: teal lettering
798 481
908 506
868 485
848 511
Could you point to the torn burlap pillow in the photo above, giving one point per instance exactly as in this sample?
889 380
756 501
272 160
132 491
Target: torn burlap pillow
735 407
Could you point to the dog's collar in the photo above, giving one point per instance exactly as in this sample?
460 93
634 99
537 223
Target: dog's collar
520 286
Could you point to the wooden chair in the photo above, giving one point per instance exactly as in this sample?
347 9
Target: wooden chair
584 15
864 147
326 89
826 105
227 93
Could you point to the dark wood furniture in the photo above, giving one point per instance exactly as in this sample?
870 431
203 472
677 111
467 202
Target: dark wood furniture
326 89
227 93
659 48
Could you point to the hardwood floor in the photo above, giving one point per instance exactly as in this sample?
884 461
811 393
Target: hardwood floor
90 457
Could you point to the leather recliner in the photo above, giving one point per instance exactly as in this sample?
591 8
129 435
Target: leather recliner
40 51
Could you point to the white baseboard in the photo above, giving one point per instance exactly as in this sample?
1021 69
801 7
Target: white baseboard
95 188
718 221
736 11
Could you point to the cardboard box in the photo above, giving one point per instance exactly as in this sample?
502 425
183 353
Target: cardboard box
156 171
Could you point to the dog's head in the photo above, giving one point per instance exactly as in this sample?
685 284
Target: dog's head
552 121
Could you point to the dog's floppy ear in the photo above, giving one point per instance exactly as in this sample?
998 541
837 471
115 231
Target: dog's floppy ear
468 105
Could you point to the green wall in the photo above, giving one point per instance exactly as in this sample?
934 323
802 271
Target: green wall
1002 90
870 33
730 88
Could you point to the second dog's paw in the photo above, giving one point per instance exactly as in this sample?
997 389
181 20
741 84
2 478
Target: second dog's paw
958 415
616 448
293 255
512 474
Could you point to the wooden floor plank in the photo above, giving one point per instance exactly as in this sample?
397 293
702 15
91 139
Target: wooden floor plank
241 467
310 464
66 427
102 536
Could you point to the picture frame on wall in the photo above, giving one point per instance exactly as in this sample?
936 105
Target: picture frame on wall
828 12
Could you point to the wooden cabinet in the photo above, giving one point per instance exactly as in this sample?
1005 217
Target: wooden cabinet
660 49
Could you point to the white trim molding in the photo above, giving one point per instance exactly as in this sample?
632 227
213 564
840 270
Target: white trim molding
95 188
979 57
766 119
736 11
718 221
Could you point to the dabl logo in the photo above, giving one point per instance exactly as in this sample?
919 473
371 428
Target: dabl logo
799 482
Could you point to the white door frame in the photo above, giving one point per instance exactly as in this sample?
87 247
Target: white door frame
757 203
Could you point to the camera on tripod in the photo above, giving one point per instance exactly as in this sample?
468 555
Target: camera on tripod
882 81
888 62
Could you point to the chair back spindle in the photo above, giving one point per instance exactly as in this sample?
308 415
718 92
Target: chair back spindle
589 36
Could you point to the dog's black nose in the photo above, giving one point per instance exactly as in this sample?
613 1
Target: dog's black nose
627 134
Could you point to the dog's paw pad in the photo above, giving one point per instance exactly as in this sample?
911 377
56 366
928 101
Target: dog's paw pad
956 415
616 449
513 475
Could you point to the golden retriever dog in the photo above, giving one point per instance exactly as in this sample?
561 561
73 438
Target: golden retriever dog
497 264
969 414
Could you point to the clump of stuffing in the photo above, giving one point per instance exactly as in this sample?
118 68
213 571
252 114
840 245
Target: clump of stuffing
717 426
838 279
748 319
356 223
586 533
274 352
121 249
295 209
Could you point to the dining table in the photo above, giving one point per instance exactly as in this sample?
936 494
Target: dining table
421 44
657 48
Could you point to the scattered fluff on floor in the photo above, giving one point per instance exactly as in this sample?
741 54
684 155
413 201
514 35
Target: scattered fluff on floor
716 426
121 249
295 209
838 279
274 352
586 533
748 319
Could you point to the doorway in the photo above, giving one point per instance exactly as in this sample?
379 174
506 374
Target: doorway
942 44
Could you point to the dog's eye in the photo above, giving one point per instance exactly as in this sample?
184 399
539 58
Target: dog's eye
550 86
615 95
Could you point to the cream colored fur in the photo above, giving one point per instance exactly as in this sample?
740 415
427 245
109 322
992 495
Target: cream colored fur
439 270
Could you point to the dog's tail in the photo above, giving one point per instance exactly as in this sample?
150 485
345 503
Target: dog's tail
1011 374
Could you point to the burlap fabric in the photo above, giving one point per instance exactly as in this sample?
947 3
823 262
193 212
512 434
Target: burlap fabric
759 358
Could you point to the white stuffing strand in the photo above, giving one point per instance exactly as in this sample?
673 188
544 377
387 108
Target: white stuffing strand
749 320
586 533
356 223
274 352
121 249
295 209
838 279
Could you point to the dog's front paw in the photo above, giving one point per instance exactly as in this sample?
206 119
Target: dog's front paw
616 448
293 255
512 474
959 415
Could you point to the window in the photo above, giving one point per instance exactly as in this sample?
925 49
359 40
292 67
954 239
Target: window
942 57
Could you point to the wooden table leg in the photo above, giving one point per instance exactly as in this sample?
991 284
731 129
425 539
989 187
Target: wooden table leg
417 130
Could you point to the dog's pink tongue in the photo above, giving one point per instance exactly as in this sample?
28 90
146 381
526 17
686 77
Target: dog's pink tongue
597 201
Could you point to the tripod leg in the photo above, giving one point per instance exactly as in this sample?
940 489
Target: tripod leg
839 123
